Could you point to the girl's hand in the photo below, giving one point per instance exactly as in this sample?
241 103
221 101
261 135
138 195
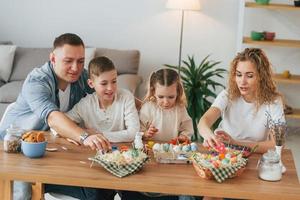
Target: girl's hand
183 138
97 141
150 132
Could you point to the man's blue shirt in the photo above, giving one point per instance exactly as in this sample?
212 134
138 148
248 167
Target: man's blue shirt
39 97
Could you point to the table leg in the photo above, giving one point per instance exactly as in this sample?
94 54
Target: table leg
6 189
37 191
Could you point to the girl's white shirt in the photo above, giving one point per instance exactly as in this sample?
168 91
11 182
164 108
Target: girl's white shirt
169 122
118 123
243 122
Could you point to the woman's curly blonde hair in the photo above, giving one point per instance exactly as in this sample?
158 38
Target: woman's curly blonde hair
266 91
165 77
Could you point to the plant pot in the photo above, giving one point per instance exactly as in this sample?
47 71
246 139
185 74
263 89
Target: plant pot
257 35
269 35
297 3
262 2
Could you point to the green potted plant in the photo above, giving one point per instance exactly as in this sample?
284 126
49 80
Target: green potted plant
199 87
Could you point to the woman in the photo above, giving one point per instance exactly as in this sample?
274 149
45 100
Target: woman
247 106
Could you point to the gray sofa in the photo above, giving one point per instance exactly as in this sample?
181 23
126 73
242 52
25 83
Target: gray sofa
25 59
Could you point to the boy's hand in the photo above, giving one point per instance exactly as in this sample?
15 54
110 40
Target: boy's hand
97 141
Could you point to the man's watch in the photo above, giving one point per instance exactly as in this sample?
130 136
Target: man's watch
83 136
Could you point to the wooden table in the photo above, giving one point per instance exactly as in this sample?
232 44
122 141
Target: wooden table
71 167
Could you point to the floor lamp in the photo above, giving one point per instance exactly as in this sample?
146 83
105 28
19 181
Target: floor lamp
182 5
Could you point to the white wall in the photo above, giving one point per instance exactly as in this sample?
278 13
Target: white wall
148 26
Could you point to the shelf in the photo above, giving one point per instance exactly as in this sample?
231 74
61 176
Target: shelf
294 115
272 6
276 42
293 79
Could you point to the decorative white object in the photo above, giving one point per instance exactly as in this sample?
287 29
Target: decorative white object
183 5
278 151
138 140
269 167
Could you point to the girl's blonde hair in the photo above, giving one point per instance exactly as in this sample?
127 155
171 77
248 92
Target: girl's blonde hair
165 77
266 91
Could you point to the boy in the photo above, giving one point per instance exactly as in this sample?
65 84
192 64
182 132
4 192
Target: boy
109 110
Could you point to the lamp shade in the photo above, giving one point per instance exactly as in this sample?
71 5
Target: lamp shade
183 4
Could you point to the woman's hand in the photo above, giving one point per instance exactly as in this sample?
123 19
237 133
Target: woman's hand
223 136
97 141
150 132
210 140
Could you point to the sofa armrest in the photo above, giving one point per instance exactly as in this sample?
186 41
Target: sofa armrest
129 82
1 83
10 91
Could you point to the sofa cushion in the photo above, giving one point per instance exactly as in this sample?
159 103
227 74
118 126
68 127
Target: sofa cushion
129 81
126 61
89 55
10 91
6 42
26 59
7 53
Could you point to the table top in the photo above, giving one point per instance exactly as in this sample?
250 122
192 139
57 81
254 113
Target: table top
70 166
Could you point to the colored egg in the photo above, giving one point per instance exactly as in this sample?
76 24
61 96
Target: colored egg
194 146
166 147
176 148
221 156
156 147
186 148
150 144
228 155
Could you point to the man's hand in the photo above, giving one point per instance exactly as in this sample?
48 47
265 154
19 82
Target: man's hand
97 141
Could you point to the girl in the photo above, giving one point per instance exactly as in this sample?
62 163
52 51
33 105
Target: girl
251 97
163 115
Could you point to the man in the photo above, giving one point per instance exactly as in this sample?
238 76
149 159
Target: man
49 91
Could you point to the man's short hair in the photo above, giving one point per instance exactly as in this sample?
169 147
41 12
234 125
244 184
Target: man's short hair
99 65
67 38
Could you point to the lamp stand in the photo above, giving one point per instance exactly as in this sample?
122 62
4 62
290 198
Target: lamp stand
180 44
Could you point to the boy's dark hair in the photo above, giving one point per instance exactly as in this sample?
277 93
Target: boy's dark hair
99 65
67 38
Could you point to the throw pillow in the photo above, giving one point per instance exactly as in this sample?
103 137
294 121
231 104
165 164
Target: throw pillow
89 55
129 82
7 53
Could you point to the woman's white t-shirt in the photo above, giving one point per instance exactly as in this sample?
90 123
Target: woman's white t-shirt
242 121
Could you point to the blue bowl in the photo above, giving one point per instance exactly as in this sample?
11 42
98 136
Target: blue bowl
33 149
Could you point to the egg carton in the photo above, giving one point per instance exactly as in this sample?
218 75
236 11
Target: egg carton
171 157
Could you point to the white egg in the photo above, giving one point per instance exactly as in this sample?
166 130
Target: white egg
156 147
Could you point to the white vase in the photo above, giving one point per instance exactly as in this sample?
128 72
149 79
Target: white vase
278 151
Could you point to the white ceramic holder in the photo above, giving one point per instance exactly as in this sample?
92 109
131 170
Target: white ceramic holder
278 151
